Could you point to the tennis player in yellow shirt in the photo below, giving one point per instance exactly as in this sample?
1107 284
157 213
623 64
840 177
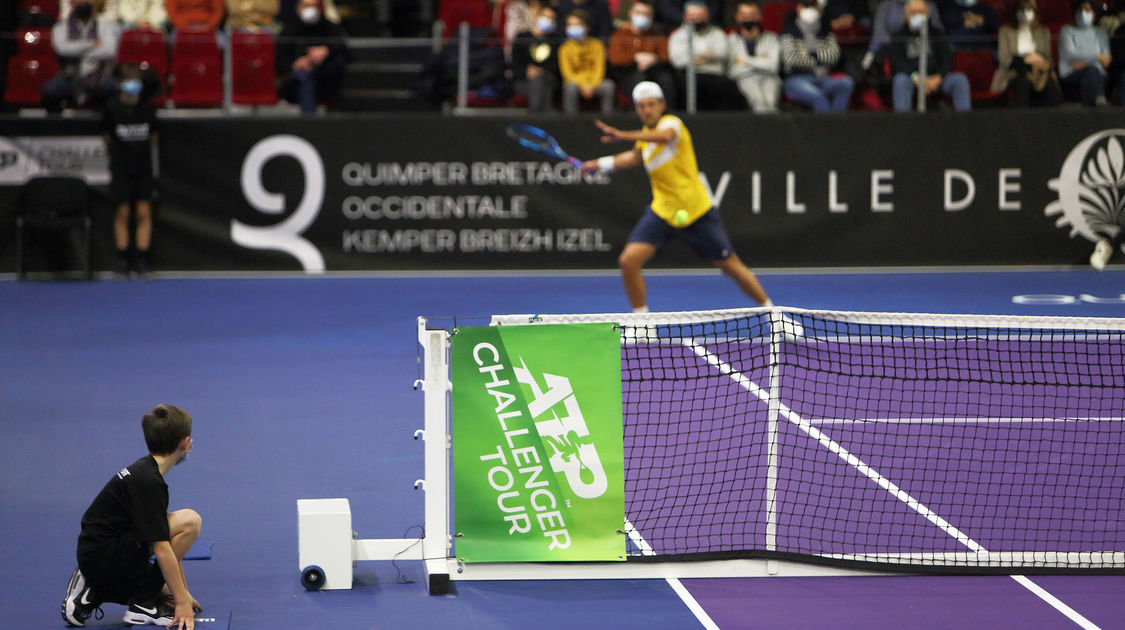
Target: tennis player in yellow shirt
681 206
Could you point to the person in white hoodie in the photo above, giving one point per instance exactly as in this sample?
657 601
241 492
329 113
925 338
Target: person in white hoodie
754 59
86 44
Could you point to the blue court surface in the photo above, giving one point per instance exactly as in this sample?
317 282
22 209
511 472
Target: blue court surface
302 388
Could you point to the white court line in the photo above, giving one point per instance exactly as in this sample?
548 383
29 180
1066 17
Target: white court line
680 590
638 540
883 482
692 605
1055 603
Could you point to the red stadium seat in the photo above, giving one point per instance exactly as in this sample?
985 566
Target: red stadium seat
34 63
147 49
478 13
26 76
197 69
144 47
978 66
253 75
773 15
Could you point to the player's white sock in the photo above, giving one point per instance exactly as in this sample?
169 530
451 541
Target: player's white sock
640 309
768 303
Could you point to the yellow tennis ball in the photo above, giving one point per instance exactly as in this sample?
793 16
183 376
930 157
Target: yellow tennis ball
680 219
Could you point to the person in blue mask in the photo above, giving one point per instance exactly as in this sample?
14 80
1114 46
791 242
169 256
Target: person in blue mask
1084 57
904 53
130 131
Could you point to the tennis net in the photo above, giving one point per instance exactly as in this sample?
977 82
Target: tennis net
935 443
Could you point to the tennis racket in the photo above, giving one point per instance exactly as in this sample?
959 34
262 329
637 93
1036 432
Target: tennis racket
536 139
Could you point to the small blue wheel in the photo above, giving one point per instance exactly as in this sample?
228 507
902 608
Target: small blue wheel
312 578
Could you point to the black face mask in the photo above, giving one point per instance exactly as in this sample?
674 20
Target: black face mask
750 25
701 27
83 11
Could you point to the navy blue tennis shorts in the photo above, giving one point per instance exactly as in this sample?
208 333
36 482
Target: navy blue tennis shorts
706 236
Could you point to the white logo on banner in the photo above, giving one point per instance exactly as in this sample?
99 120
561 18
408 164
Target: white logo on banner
571 455
1091 187
284 236
24 157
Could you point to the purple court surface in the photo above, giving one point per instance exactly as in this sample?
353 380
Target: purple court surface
302 388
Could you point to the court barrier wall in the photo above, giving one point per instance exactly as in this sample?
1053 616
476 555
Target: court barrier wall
998 187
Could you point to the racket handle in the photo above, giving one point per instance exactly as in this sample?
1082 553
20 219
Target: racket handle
575 162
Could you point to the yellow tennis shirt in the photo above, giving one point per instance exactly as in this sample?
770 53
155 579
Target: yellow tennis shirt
674 174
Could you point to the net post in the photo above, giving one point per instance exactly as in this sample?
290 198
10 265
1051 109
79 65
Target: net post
690 79
773 411
463 65
436 387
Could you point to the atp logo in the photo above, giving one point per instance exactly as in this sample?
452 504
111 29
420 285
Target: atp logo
285 236
568 437
1091 187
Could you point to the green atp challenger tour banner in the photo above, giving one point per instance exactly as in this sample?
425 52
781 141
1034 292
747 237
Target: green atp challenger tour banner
538 459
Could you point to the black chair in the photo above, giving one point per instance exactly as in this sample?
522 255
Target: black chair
50 204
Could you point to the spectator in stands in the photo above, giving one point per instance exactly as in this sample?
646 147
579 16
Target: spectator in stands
582 64
253 15
847 18
129 130
288 11
809 53
638 51
904 53
1084 56
704 46
195 15
672 12
535 62
754 59
598 20
312 54
105 9
1025 65
850 21
438 82
970 25
519 17
87 48
145 14
890 17
1113 22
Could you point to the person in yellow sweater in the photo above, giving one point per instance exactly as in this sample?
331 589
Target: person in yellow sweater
582 65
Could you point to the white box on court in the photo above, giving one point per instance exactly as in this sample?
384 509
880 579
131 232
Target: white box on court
324 533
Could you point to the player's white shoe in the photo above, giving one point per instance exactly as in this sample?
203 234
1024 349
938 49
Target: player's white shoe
1101 254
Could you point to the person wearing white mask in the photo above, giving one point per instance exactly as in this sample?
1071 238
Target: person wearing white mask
890 16
904 53
312 55
1084 57
1025 65
582 66
809 54
638 51
535 62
